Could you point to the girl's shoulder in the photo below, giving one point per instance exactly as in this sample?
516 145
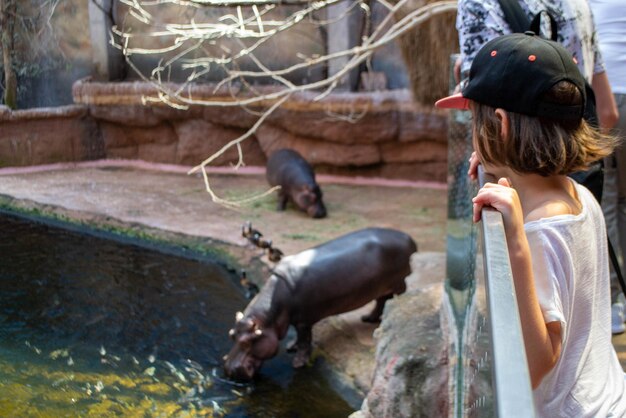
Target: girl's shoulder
564 211
554 208
566 200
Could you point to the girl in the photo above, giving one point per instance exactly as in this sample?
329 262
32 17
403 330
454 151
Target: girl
527 99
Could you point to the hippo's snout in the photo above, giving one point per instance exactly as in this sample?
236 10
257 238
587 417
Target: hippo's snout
241 368
241 373
317 211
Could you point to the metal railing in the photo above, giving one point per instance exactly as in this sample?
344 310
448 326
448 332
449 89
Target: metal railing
511 380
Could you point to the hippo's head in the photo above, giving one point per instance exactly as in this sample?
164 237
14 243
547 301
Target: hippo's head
252 346
309 199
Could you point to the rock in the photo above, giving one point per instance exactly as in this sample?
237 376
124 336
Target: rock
423 151
361 118
198 140
50 139
435 171
123 153
411 376
116 135
58 112
133 115
383 133
167 113
233 116
86 91
338 122
158 153
272 138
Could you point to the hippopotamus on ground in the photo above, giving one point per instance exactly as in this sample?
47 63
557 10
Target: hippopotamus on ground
296 178
335 277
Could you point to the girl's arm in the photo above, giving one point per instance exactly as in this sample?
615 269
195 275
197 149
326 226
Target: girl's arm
542 341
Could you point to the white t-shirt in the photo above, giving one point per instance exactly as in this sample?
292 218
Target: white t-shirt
610 18
571 270
479 21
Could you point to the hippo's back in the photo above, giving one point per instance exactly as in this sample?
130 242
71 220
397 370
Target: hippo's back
356 267
287 164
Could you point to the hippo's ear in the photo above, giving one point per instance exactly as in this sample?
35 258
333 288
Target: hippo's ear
255 333
256 330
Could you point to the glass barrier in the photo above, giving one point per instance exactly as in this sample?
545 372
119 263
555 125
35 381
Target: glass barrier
488 361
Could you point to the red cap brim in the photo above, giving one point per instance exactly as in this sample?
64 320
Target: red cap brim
456 101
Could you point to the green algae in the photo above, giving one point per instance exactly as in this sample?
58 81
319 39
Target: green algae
199 246
44 389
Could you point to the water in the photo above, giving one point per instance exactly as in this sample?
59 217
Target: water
94 327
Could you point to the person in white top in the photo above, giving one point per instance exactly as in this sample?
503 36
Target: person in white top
527 98
610 19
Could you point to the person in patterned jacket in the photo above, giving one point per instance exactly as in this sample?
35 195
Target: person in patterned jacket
479 21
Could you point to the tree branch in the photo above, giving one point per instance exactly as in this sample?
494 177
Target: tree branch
252 24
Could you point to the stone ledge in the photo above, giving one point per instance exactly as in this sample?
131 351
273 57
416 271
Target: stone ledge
360 117
89 92
384 133
70 111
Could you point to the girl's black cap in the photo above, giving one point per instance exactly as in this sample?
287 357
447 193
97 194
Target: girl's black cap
514 71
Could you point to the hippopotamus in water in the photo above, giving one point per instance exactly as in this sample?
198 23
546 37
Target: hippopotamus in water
338 276
287 169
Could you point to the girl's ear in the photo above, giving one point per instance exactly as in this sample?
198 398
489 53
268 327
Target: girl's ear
503 117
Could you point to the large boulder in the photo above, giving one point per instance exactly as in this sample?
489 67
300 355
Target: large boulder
412 367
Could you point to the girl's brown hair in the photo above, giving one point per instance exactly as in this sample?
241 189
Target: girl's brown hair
539 145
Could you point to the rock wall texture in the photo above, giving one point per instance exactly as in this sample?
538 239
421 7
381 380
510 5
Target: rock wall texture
48 135
412 352
383 134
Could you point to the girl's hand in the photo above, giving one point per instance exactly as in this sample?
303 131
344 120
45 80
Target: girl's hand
503 198
473 167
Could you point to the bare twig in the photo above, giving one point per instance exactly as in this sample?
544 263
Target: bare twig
251 24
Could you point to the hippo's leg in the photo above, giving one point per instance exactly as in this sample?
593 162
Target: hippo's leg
375 314
303 346
282 200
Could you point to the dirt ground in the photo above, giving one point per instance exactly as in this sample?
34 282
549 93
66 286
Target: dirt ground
175 201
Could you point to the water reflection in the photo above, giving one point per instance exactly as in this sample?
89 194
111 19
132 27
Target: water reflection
92 327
